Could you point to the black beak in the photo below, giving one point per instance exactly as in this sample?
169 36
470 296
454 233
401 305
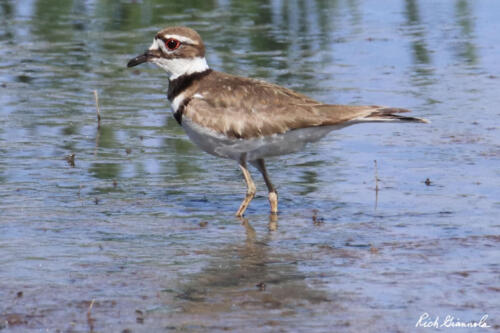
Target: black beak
145 57
138 60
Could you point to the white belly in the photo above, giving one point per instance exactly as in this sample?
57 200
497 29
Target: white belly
274 145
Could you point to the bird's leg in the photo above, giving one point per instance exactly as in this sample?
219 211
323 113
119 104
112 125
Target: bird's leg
273 195
250 188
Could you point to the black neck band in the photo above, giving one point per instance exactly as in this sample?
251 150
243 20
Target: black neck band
182 82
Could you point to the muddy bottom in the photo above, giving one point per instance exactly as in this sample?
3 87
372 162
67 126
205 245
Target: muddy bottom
130 227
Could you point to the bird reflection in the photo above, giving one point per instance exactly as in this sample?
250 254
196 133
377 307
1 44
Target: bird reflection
273 222
247 276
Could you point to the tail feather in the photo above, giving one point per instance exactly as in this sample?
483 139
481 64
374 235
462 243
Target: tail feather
382 114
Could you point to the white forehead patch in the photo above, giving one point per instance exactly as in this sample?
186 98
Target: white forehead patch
162 46
155 45
159 44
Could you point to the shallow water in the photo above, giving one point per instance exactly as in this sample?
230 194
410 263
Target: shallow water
139 234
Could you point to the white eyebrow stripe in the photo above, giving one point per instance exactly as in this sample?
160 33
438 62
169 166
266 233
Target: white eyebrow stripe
182 39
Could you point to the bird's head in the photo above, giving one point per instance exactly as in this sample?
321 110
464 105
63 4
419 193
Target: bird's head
178 50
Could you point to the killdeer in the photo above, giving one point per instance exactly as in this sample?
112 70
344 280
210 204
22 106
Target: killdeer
244 119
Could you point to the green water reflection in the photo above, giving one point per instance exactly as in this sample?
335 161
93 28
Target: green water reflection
143 220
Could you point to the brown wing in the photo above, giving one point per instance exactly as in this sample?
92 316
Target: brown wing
245 108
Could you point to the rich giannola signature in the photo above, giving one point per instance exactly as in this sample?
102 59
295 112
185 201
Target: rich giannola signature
450 321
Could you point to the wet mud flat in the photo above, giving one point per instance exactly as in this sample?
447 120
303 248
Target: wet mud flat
219 275
128 227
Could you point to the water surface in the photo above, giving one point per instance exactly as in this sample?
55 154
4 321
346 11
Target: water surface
139 234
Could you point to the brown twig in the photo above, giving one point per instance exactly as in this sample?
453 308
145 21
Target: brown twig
90 320
376 184
98 134
96 96
376 176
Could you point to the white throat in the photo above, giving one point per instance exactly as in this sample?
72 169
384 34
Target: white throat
182 66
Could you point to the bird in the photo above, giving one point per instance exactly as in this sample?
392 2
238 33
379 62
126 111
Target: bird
246 119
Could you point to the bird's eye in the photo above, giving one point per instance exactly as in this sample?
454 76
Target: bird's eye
172 44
